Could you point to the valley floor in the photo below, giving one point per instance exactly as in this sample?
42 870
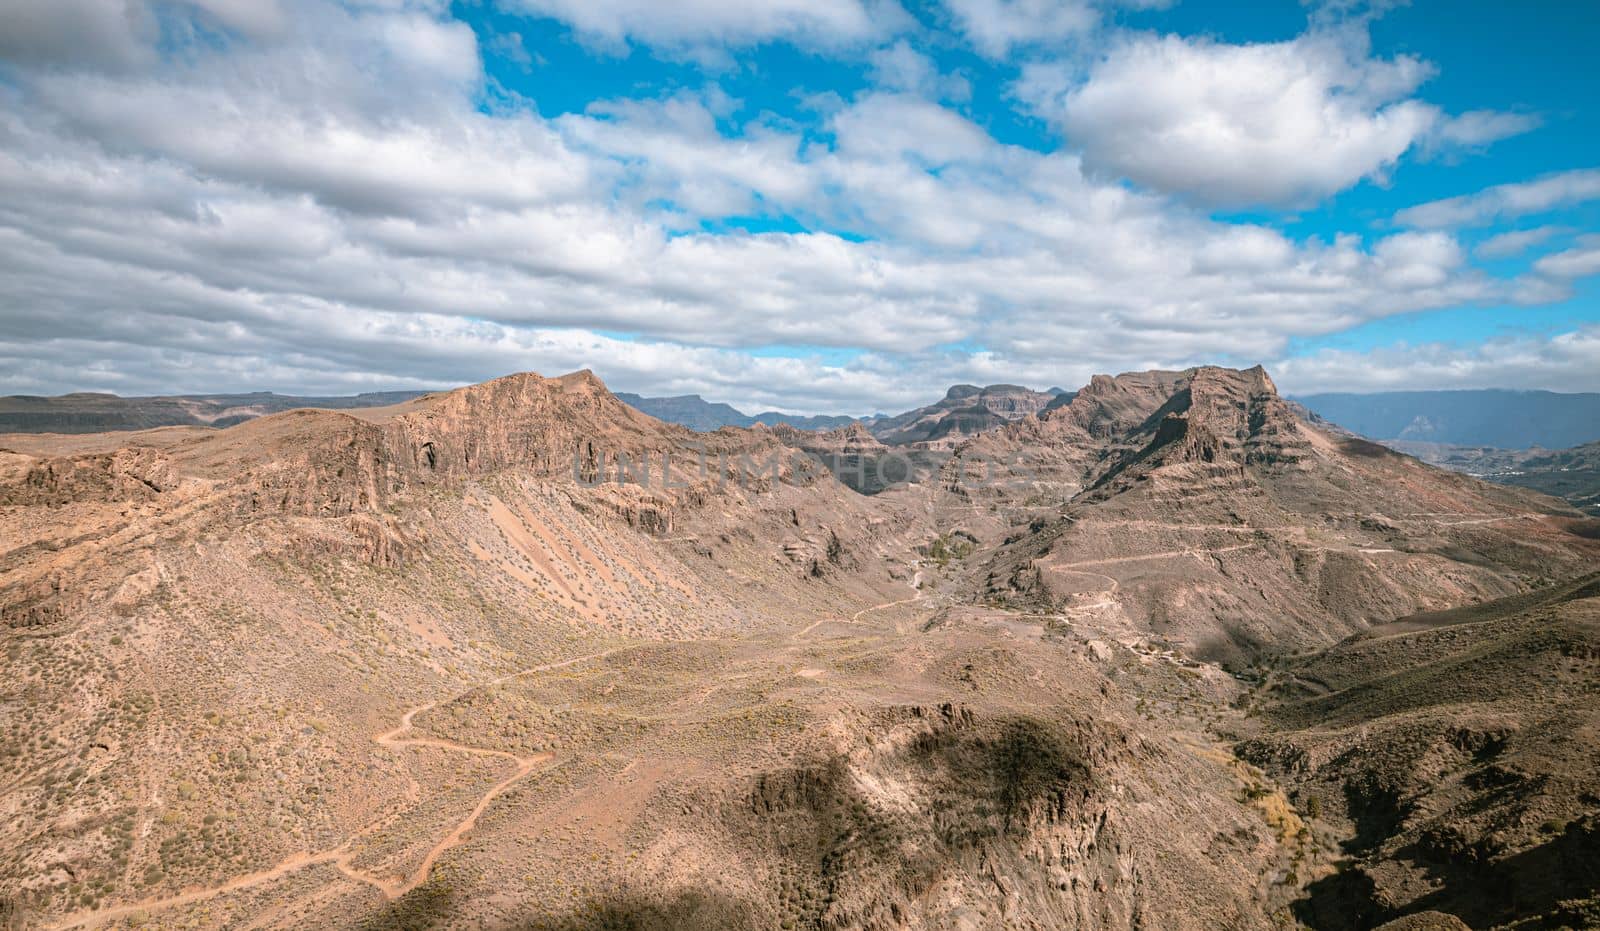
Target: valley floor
609 830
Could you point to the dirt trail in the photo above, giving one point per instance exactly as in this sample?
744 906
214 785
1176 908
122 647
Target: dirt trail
1110 590
1108 596
1484 520
916 583
814 625
292 864
1195 552
342 855
887 604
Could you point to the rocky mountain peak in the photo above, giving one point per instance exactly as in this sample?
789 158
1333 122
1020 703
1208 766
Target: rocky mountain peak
965 411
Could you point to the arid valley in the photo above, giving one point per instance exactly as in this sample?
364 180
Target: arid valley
799 465
1159 653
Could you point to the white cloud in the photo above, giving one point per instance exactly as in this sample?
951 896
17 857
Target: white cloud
673 148
256 18
1507 201
899 67
889 126
327 207
1271 123
735 22
191 255
1418 260
1581 261
1565 362
995 26
1478 128
1514 243
511 47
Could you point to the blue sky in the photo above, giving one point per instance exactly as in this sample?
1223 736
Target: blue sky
838 205
1538 71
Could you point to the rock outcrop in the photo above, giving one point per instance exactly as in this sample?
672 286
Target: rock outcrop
965 410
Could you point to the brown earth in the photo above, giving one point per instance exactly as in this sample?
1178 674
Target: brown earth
434 665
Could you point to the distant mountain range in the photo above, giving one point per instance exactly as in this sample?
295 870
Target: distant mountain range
97 413
1542 440
1464 431
964 411
1494 418
696 413
1499 419
1490 417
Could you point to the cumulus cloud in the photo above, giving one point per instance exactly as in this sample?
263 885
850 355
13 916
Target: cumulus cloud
899 67
737 22
1581 261
323 204
1267 123
1507 201
995 26
1514 243
1565 362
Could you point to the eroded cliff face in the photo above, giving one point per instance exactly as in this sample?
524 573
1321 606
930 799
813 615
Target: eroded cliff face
128 474
361 476
557 429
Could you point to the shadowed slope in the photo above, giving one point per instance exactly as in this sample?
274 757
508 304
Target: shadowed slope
1460 746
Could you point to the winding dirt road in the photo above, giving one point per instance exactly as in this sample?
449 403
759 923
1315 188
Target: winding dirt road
342 856
916 583
1195 552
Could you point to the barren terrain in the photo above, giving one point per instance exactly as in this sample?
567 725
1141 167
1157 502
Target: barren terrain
1176 661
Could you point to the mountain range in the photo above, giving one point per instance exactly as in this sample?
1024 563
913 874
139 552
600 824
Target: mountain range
697 413
1489 417
965 410
1483 418
95 413
1165 651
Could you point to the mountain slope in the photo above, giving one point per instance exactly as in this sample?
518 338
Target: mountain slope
406 668
520 655
1224 523
218 624
1570 474
1459 748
